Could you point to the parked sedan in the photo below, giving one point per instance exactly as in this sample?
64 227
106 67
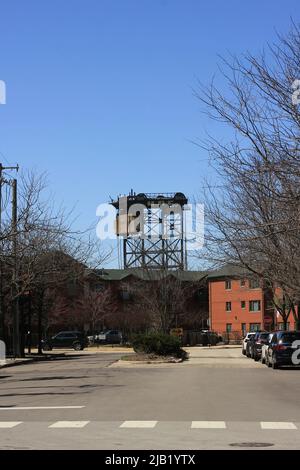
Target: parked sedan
281 348
257 343
245 341
265 347
249 345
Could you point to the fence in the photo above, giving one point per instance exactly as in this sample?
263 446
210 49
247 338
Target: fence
232 337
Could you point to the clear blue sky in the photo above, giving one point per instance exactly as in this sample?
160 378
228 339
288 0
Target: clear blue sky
99 92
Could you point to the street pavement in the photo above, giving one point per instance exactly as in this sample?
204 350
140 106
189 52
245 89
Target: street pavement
216 400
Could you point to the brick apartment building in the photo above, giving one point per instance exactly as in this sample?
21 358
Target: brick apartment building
239 303
227 301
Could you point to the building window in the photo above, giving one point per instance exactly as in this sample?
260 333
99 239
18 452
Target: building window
254 326
254 283
125 292
243 328
280 326
228 306
254 305
99 287
228 327
242 282
243 304
228 284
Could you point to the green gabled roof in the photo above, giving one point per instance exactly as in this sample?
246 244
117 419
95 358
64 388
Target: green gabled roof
120 274
229 271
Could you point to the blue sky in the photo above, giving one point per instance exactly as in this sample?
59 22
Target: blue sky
99 92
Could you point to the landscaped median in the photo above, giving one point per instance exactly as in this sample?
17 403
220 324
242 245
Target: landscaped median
155 348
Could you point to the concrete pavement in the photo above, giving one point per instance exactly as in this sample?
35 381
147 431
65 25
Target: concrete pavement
232 399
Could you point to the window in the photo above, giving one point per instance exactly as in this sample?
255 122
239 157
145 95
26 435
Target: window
125 295
254 283
243 328
228 327
228 284
243 304
254 326
254 305
242 282
100 287
280 326
228 306
60 335
70 335
125 292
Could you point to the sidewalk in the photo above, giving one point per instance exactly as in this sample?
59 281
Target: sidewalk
9 362
63 353
227 356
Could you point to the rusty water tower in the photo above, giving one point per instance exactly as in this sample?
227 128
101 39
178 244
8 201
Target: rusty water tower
151 230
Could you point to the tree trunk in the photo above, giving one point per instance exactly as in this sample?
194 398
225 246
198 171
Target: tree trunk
40 314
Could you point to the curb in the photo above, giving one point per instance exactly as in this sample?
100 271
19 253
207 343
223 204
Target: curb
17 363
29 360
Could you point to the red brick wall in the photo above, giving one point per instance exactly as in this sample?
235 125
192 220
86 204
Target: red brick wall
218 296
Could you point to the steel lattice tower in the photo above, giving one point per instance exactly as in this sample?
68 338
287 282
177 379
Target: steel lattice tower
151 226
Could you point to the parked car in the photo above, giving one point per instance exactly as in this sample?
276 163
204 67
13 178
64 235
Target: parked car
249 345
265 347
256 344
66 339
109 337
245 341
281 349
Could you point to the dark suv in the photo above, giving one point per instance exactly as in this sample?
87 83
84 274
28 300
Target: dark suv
257 343
109 337
281 348
66 339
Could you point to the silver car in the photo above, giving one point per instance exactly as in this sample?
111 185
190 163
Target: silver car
264 349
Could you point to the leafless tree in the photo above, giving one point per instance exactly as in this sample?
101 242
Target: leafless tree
162 296
50 252
252 220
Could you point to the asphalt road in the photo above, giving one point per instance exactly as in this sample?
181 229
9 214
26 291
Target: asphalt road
86 402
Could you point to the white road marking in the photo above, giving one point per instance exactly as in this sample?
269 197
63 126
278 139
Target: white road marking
208 425
69 424
138 424
12 408
277 425
9 424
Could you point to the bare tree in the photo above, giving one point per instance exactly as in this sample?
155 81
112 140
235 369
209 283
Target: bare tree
253 219
50 252
163 297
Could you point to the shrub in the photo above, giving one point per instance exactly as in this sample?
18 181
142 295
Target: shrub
158 343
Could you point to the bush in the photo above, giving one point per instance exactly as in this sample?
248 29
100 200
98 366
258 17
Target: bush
158 343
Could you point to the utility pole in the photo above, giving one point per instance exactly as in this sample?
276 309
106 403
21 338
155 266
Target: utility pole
16 310
2 313
2 326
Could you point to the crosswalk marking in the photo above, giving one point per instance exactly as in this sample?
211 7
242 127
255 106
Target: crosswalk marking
9 424
13 408
69 424
138 424
208 425
147 424
277 425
